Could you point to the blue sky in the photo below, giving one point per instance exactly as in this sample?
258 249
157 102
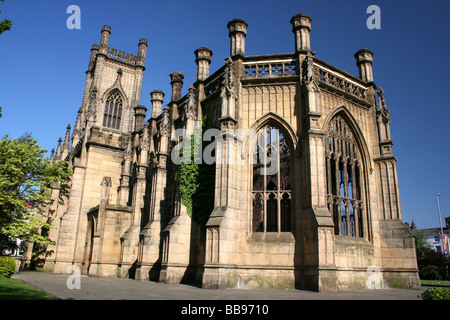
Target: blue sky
43 66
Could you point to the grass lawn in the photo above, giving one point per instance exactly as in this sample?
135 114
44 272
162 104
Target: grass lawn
435 283
13 289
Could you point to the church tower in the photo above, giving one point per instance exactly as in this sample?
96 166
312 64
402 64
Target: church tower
100 138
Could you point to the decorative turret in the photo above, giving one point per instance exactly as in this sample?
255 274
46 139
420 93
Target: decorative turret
106 33
364 60
157 99
143 44
203 60
176 80
104 40
301 27
94 51
139 117
237 33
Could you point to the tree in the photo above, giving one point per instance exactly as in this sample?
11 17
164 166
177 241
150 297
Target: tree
6 24
26 178
433 265
421 242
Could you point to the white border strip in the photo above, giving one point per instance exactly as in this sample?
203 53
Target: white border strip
269 61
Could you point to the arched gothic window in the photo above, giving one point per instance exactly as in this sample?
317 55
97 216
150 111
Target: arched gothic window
113 110
271 185
345 188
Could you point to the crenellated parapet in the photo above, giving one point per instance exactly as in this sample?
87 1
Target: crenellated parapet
133 60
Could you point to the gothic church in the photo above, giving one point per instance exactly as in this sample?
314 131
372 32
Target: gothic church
327 218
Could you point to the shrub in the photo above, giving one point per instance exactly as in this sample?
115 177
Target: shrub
430 272
436 294
430 257
7 266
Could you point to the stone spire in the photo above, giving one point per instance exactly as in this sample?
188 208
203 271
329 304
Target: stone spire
58 150
66 146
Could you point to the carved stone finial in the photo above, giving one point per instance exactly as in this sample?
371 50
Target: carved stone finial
164 123
229 79
382 110
191 105
58 150
128 152
106 182
144 142
308 69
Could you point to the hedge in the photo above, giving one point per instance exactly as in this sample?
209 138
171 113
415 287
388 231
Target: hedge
7 266
436 294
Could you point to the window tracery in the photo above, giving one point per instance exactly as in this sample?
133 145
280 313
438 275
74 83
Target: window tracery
271 185
113 110
344 179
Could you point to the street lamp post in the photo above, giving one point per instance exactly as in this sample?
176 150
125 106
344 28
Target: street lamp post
440 222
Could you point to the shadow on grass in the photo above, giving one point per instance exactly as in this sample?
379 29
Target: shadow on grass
13 289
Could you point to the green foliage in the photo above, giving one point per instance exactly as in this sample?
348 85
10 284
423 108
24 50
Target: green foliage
430 272
421 242
5 25
7 266
436 294
196 180
25 180
432 265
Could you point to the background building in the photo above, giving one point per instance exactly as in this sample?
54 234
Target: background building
433 236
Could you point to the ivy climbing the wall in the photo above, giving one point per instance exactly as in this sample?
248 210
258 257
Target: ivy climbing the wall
196 179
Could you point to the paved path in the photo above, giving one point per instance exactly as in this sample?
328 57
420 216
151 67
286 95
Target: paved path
93 288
